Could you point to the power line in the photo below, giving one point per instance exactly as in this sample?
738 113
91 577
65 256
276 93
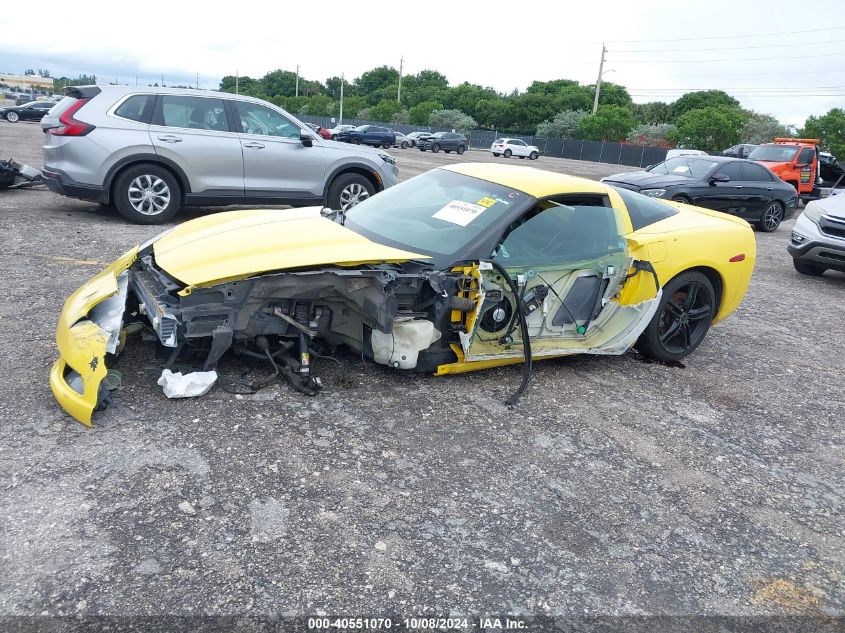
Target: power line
716 61
726 48
727 37
774 89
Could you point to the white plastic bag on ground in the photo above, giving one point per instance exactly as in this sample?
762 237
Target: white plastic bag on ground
179 385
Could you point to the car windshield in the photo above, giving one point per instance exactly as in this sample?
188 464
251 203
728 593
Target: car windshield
684 166
774 153
436 213
361 128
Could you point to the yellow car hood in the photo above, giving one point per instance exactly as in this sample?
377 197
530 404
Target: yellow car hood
239 244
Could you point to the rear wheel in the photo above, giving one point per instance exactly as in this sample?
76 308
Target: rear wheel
386 144
404 145
522 158
772 217
12 117
435 148
356 141
496 155
682 319
334 137
461 149
533 156
806 268
347 190
147 194
507 153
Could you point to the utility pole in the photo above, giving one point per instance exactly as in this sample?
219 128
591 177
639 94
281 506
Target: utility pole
399 90
162 81
598 81
297 81
340 116
198 81
236 82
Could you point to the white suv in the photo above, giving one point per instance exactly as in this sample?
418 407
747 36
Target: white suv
508 147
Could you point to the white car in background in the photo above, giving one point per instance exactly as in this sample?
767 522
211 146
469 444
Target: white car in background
508 147
674 153
340 128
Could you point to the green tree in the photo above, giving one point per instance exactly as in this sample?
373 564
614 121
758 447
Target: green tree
611 94
529 109
245 85
352 106
452 119
279 82
762 128
712 128
384 110
564 125
659 134
420 113
610 123
829 128
333 88
652 113
700 100
493 113
370 82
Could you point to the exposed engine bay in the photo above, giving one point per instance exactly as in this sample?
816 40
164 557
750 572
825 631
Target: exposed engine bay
406 316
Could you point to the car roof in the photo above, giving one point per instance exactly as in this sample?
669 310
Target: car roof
189 92
535 182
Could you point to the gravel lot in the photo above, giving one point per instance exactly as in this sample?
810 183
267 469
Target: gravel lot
615 487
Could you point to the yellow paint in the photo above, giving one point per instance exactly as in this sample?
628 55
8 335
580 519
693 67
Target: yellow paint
239 244
82 344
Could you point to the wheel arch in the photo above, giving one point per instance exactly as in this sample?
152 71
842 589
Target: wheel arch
356 168
713 275
136 159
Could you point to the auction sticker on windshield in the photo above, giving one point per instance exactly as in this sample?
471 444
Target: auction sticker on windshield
459 212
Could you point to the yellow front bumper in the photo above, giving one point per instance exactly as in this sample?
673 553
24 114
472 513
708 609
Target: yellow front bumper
82 343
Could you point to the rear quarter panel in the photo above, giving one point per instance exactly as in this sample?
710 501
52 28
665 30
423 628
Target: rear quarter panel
697 238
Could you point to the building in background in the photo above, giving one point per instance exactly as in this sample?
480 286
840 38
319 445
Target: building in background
27 82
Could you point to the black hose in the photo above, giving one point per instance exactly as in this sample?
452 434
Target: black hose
526 341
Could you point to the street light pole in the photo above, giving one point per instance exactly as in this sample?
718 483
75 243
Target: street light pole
598 81
297 80
340 116
399 90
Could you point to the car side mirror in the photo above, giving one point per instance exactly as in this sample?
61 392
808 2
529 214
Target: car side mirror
306 139
719 178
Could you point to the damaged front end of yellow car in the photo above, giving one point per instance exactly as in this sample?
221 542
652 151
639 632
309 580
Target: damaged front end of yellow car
89 330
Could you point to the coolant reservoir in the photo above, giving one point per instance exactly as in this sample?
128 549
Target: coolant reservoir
402 347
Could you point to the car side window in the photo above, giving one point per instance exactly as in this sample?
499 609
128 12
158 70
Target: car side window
199 113
807 155
752 172
731 170
644 210
132 108
551 233
257 119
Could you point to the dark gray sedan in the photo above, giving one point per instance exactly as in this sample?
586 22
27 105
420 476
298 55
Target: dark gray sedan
739 187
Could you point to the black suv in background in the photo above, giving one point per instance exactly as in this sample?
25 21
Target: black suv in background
447 141
368 135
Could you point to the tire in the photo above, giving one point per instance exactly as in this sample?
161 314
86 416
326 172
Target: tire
334 137
497 155
435 148
12 117
806 268
533 156
356 141
522 158
680 324
681 198
386 144
461 149
422 149
772 217
507 153
347 190
147 194
448 151
404 145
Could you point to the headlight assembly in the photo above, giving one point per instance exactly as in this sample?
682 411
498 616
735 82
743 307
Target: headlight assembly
813 212
653 193
388 159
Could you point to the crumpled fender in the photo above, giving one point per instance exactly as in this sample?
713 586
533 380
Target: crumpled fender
83 343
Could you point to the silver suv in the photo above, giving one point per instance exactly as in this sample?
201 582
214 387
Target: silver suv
151 151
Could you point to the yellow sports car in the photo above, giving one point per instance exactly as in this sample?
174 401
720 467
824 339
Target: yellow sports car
461 268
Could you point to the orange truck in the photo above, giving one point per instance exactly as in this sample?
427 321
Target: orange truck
795 160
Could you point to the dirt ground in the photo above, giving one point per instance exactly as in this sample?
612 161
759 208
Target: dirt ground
615 486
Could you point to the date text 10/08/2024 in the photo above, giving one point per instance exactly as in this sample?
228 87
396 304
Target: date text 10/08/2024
417 623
